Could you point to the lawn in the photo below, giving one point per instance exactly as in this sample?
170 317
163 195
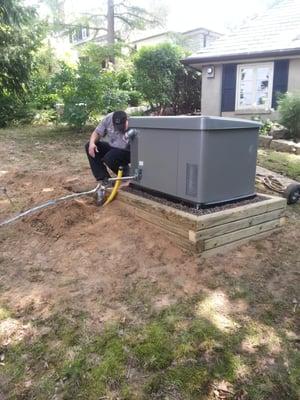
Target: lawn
95 304
283 163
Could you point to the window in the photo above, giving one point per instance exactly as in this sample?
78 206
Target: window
84 33
79 34
254 86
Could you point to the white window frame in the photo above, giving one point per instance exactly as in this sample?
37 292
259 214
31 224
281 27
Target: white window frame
266 106
84 33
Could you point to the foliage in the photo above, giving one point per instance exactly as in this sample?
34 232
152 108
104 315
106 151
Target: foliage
98 55
164 81
114 18
20 36
40 91
88 92
13 110
266 126
289 110
187 98
156 68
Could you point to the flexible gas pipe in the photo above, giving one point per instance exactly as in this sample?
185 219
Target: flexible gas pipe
115 188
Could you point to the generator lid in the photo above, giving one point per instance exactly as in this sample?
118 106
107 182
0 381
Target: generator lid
192 123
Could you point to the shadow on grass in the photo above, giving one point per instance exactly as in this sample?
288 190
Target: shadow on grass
176 354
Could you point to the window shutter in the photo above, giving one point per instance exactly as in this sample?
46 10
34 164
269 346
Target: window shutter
228 87
280 80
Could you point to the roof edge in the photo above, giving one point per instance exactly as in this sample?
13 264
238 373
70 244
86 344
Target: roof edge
232 57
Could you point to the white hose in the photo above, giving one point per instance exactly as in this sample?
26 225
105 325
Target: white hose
47 204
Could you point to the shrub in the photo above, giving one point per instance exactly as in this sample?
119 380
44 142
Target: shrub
45 117
187 97
75 114
114 100
266 126
289 110
14 110
164 81
135 98
156 68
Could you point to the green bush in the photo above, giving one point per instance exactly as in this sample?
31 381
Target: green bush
164 81
75 114
187 97
45 117
289 110
135 98
156 68
266 126
21 34
14 110
114 100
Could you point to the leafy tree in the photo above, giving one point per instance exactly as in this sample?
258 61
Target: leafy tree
20 36
40 88
164 81
88 92
156 70
116 18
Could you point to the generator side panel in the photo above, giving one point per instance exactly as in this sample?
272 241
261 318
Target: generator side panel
228 165
158 151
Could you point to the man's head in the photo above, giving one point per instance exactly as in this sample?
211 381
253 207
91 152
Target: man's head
120 121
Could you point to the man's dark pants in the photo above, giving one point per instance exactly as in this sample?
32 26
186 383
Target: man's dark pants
111 156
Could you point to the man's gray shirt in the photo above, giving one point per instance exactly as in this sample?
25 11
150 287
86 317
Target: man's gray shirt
114 137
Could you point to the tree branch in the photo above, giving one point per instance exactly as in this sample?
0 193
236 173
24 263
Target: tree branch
125 20
94 15
81 26
137 17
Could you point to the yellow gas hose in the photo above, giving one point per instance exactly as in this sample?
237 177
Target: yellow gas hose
115 188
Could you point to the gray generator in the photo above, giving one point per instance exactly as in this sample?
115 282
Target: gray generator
200 160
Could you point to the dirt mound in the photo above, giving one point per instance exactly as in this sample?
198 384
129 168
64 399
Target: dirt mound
57 220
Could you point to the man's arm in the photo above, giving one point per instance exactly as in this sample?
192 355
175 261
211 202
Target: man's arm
96 135
94 139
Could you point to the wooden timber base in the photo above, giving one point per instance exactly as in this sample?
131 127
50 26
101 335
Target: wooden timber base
210 233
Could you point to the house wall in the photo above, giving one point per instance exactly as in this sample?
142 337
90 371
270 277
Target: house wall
197 40
294 75
211 92
193 41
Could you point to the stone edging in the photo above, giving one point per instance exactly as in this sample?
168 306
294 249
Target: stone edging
286 146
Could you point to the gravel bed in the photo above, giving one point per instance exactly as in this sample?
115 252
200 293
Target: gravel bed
190 208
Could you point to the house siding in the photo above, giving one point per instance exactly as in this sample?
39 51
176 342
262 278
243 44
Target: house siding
212 89
211 92
294 75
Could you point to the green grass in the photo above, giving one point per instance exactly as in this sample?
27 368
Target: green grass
174 353
4 313
283 163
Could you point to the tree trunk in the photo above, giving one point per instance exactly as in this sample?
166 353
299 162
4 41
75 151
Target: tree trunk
111 27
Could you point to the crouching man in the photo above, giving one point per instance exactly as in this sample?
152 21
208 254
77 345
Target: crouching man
108 147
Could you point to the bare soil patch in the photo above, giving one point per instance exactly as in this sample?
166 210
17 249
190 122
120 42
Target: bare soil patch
77 258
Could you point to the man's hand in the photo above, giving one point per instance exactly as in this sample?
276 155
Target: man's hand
93 149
